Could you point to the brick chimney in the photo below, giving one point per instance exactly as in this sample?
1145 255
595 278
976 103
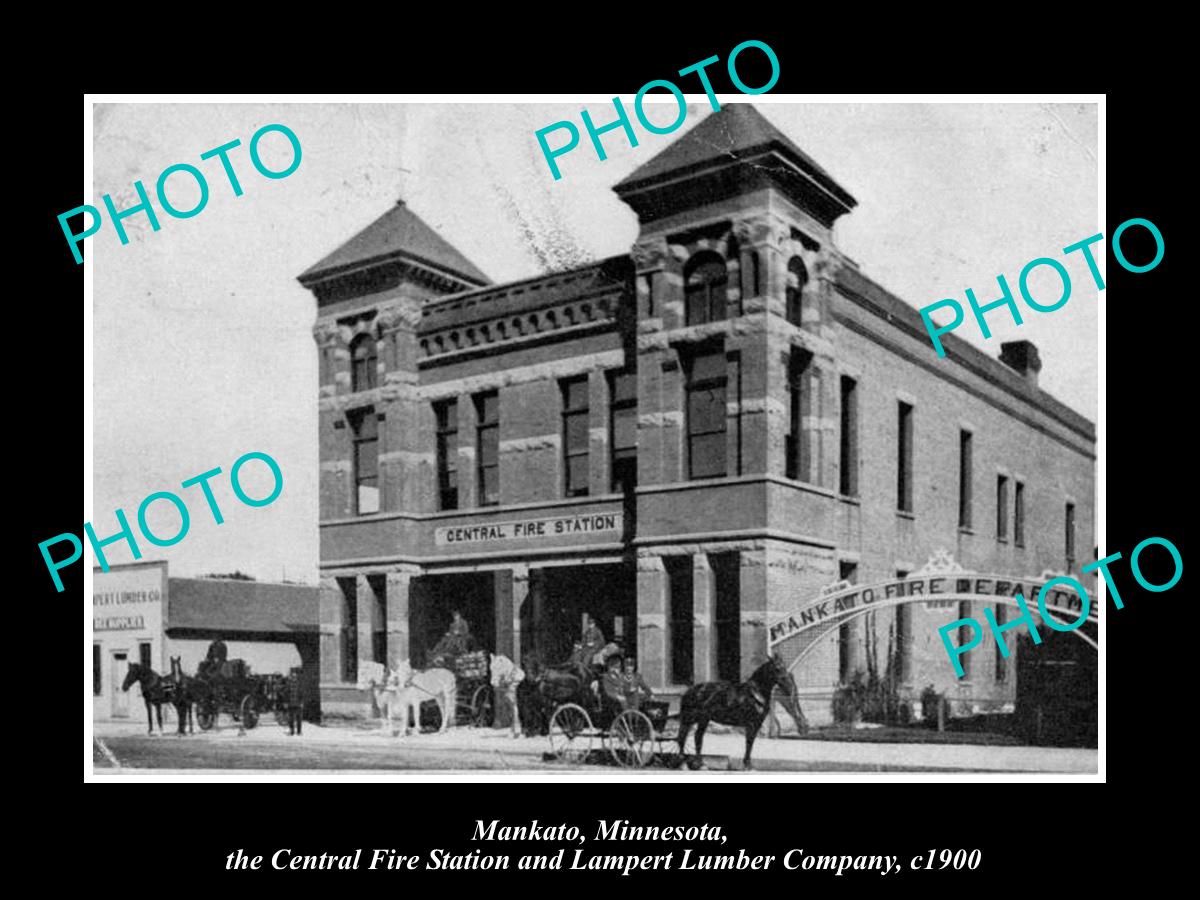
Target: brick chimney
1022 357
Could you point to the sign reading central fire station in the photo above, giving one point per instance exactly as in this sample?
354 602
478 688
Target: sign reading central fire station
529 529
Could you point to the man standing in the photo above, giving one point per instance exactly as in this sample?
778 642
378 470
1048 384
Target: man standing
295 701
506 679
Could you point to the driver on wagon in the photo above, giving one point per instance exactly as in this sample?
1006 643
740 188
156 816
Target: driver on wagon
613 685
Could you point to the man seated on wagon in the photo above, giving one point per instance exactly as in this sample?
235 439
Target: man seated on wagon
591 644
455 642
214 660
613 689
639 694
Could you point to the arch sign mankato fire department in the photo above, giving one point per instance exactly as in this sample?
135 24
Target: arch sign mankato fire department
940 583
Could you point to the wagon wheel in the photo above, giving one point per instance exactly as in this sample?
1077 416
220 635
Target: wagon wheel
631 740
249 711
571 733
483 707
206 715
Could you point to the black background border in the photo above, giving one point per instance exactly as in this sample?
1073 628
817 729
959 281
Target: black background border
1045 832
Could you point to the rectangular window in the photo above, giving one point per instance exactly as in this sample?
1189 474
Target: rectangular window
1001 662
575 435
1070 536
366 461
1002 507
705 280
848 475
144 655
904 498
349 634
487 446
750 275
446 416
801 462
1019 514
965 439
97 669
622 392
364 363
706 382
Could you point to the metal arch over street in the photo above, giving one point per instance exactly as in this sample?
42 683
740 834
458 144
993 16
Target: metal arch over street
940 581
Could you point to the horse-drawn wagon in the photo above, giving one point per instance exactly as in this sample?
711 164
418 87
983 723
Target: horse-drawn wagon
229 687
474 696
584 715
584 718
632 738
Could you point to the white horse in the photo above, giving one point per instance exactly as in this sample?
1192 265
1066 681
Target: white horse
373 677
411 687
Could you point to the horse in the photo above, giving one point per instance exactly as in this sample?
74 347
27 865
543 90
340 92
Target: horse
744 705
789 699
156 690
404 689
373 677
413 686
184 696
550 685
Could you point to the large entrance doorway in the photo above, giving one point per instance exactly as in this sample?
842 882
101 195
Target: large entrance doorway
430 612
120 667
553 622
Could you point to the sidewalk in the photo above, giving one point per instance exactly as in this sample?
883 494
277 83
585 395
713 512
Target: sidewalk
768 753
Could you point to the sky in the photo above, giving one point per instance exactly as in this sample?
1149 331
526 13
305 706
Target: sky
202 342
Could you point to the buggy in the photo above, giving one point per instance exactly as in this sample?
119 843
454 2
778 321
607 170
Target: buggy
633 737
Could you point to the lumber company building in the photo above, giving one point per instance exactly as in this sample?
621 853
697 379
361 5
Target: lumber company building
689 442
142 615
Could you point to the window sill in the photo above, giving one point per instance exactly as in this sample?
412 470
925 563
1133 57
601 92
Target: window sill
852 499
1020 545
811 486
1002 540
906 514
966 529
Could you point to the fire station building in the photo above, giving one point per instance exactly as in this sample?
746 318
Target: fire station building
684 442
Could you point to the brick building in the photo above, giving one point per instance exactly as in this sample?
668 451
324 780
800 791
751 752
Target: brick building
683 442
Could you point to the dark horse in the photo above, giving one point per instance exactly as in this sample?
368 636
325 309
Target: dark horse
156 690
546 687
744 705
187 692
789 698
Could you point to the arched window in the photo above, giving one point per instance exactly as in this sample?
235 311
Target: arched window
704 281
797 278
363 361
